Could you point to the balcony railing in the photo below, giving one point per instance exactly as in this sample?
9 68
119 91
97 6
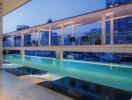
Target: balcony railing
119 38
123 38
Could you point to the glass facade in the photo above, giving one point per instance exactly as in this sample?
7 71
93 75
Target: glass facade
68 38
44 38
56 37
7 41
123 31
113 3
88 34
107 32
27 39
17 41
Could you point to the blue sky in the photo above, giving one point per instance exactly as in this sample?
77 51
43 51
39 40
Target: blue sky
39 11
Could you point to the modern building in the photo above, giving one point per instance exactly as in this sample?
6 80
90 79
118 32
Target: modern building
114 3
93 37
112 35
22 27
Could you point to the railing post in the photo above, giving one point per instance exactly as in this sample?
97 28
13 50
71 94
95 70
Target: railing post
59 55
39 37
12 38
22 39
73 33
33 37
103 35
50 36
22 53
62 35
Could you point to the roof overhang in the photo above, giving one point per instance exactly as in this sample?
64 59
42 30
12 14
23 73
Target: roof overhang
10 5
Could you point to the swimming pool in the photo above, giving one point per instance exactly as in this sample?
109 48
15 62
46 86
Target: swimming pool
112 75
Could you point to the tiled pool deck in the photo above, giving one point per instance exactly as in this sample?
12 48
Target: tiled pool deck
15 88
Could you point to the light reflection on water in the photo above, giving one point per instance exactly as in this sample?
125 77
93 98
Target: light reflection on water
118 77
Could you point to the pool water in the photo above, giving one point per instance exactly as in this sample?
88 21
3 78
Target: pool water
83 90
113 75
22 71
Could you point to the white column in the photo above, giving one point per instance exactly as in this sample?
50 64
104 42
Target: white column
103 35
22 53
59 55
112 30
73 33
33 37
62 35
1 32
39 37
12 38
49 36
22 39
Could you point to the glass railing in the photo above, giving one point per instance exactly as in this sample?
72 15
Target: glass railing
119 38
85 40
7 44
17 43
31 43
56 41
44 42
91 40
123 38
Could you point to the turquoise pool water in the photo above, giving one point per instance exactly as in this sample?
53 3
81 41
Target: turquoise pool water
113 75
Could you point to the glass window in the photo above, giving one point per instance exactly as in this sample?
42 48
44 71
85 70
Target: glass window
56 37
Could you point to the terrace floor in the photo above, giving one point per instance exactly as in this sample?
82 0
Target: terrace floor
16 88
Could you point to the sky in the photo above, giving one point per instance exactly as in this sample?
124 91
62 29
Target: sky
37 12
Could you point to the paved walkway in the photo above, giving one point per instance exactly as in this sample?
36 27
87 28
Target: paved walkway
14 88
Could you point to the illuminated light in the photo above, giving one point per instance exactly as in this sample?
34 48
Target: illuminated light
72 25
60 25
69 22
17 34
26 31
42 29
77 24
110 13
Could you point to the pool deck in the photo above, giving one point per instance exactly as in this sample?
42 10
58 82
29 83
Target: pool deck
15 88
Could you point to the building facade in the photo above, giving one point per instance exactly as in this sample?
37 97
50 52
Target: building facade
113 3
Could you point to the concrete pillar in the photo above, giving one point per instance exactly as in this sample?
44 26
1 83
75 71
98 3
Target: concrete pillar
50 36
1 32
59 55
39 38
103 35
13 37
22 39
112 30
33 37
62 35
73 33
22 53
